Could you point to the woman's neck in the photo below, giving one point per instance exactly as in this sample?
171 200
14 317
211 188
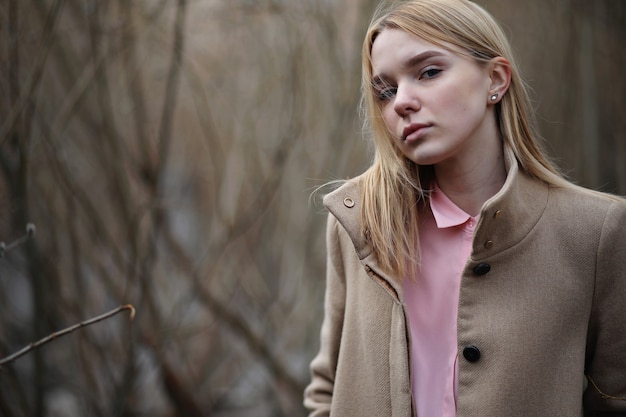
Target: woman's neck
470 182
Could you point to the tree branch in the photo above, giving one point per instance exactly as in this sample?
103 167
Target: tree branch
30 232
47 43
171 90
65 331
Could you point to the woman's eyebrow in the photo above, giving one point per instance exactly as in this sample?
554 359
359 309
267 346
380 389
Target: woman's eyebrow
411 62
419 58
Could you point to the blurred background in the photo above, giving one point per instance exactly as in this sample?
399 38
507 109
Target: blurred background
167 151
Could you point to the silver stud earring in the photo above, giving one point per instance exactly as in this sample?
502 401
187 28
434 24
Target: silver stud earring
494 97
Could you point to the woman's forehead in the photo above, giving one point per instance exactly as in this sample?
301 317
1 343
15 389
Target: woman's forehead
393 47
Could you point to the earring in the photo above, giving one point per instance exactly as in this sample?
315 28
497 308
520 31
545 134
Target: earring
494 97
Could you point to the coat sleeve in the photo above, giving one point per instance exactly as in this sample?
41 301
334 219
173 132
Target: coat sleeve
318 395
606 359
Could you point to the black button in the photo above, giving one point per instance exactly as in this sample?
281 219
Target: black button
482 269
471 353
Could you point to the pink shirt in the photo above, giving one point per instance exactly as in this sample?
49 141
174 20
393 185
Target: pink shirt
432 305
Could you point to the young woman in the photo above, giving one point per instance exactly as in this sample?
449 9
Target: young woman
465 276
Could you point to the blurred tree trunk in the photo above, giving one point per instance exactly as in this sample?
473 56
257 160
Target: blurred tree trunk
572 53
589 98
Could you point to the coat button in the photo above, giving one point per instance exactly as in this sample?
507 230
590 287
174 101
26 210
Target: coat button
471 353
482 269
348 202
489 244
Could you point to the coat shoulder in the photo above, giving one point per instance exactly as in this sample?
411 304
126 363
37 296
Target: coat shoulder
344 203
585 215
585 203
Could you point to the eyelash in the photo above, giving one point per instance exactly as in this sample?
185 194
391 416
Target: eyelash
433 73
389 92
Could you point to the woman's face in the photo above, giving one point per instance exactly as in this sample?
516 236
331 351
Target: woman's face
435 102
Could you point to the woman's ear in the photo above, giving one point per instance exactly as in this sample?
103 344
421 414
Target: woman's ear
500 76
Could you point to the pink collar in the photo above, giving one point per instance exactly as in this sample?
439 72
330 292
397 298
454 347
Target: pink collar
446 213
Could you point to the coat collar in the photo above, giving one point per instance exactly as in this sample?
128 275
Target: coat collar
505 219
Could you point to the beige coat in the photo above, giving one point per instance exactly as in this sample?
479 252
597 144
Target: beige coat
542 301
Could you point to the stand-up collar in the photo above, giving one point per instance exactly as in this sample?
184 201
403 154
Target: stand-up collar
505 219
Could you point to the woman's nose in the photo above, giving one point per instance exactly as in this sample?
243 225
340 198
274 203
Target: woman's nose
406 101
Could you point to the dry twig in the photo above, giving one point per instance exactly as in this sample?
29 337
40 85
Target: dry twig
70 329
30 232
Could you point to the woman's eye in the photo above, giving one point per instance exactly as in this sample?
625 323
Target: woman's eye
386 94
430 73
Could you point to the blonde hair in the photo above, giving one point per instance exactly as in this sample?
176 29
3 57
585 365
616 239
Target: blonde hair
393 187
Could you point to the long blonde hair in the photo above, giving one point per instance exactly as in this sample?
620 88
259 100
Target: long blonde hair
394 187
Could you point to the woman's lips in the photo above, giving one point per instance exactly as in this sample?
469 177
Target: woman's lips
413 131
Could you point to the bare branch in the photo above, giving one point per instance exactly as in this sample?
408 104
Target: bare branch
171 90
47 43
30 232
65 331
